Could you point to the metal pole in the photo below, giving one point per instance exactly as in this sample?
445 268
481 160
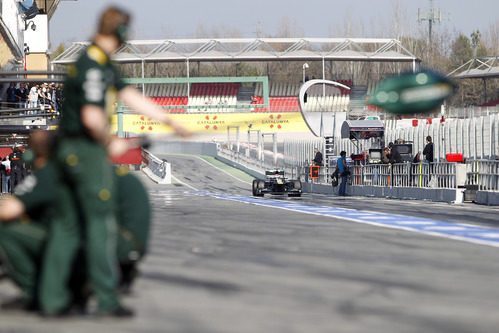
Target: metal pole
491 136
482 125
143 77
188 83
237 140
119 115
259 143
265 87
274 139
248 148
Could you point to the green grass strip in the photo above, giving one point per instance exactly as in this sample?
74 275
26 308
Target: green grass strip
227 168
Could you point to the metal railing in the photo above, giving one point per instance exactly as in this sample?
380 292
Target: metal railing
422 175
484 173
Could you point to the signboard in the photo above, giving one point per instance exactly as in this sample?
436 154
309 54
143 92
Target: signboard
217 122
314 172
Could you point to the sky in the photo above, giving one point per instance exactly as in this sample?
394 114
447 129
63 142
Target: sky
169 19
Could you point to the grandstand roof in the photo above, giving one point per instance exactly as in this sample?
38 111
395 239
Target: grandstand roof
253 49
477 68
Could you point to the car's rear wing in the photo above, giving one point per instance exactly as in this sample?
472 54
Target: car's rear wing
274 173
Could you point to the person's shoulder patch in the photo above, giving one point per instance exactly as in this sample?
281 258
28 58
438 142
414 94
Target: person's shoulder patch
97 55
121 171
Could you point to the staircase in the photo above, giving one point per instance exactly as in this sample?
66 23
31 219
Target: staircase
358 95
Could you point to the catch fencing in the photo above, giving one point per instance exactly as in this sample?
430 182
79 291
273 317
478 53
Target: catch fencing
475 138
483 173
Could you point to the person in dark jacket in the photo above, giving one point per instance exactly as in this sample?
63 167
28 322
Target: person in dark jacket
318 157
428 150
17 166
395 156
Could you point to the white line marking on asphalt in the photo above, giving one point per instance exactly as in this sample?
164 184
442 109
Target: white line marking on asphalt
446 228
181 182
455 231
415 222
242 181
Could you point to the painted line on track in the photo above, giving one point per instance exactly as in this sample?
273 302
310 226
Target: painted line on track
456 231
222 170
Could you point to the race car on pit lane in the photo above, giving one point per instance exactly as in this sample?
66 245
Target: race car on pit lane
276 183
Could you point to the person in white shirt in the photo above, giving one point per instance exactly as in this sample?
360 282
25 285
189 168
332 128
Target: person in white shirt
6 164
33 97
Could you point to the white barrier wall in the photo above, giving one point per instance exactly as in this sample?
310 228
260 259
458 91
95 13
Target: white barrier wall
475 138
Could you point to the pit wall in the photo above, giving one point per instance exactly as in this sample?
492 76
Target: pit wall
403 193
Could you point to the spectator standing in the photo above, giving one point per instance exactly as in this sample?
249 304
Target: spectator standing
59 96
22 95
53 95
6 165
343 171
318 157
44 95
33 97
395 156
11 96
428 150
385 156
16 165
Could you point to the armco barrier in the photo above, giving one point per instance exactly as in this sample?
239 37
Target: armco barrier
157 169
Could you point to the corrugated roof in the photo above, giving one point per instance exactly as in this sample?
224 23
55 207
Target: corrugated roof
480 67
253 49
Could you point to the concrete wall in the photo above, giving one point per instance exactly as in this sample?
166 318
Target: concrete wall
487 198
184 147
404 193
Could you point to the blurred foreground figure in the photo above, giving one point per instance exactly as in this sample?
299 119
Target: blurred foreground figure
40 236
40 233
412 93
91 90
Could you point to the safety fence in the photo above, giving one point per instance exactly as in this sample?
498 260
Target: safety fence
484 174
297 155
474 138
422 175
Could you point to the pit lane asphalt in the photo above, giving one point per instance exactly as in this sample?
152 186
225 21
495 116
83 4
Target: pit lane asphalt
223 266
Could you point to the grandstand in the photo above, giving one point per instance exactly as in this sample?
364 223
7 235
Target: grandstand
282 97
239 97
